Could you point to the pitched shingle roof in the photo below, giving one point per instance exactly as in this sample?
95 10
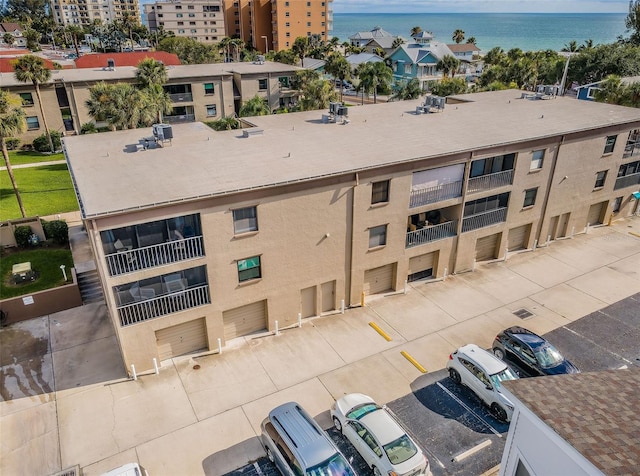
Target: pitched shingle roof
463 47
377 32
598 413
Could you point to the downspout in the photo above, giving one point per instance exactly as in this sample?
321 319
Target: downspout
222 96
550 182
352 239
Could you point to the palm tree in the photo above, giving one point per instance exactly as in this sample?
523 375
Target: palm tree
448 64
458 36
317 95
32 68
121 105
374 75
571 47
397 42
157 103
224 124
74 31
255 106
495 55
12 122
416 30
471 40
338 67
150 71
407 89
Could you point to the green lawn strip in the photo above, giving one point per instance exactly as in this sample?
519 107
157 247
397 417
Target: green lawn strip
20 157
45 190
46 261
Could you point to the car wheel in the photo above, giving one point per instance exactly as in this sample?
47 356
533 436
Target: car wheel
337 424
499 412
269 455
498 353
376 471
455 376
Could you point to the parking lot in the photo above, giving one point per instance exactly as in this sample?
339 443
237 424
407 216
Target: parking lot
70 403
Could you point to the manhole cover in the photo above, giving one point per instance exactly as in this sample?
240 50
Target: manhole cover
523 313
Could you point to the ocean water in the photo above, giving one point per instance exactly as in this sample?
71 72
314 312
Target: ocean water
527 31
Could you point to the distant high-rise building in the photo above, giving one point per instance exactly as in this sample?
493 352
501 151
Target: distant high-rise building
275 24
202 20
84 12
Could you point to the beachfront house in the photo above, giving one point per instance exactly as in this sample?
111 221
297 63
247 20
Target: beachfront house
419 58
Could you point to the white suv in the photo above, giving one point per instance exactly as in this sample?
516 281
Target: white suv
482 372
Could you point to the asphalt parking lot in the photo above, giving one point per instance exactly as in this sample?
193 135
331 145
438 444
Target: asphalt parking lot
457 432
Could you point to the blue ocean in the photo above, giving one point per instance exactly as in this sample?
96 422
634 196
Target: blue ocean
527 31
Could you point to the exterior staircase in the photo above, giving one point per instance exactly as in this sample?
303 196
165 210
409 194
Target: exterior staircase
90 288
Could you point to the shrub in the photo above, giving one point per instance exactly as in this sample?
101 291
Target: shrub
22 234
56 230
12 143
41 143
88 128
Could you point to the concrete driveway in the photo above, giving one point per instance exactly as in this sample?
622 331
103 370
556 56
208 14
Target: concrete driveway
66 400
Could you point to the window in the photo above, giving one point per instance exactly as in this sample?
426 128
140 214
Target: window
288 34
211 110
308 14
192 23
492 165
209 88
180 31
178 7
536 159
190 7
180 23
407 69
377 236
249 269
178 15
610 144
245 220
380 192
286 14
284 81
191 15
262 84
308 23
530 197
33 123
287 24
601 177
27 99
617 204
308 4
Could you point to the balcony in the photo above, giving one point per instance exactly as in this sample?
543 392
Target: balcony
480 220
179 119
424 196
627 181
632 149
181 97
162 305
490 181
127 261
431 233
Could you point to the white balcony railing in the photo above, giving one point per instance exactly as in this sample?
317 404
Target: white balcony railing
154 255
489 181
163 305
431 233
181 97
627 181
480 220
423 196
179 119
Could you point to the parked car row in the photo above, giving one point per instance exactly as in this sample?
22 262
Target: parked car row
482 371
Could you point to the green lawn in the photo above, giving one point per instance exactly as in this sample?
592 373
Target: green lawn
20 157
46 261
45 190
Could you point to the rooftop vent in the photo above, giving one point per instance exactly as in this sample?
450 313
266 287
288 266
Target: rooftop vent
337 113
259 59
111 64
254 131
523 313
431 104
542 92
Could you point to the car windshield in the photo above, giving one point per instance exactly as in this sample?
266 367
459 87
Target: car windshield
548 356
334 466
358 412
400 450
506 374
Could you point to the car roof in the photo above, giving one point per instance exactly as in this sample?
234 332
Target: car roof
383 426
526 336
489 362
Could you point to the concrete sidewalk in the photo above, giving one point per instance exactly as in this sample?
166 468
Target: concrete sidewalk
201 415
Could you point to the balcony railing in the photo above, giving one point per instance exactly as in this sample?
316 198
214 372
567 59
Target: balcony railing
181 97
489 181
480 220
627 181
163 305
632 148
182 118
154 255
423 196
431 233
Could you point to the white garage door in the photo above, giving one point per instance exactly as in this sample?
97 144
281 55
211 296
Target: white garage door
422 266
486 247
182 339
245 320
518 237
378 280
595 214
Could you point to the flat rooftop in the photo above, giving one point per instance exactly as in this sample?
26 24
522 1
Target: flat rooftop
113 173
595 412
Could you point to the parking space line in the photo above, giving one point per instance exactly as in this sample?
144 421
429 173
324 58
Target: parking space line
466 407
380 331
597 345
415 363
257 468
471 451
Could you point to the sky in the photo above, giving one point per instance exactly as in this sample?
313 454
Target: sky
471 6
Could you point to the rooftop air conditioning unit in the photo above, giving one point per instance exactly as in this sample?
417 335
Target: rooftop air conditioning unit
111 64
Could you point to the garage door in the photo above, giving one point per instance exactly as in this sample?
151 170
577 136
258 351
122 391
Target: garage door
595 214
182 339
245 320
422 266
308 302
486 247
378 280
518 237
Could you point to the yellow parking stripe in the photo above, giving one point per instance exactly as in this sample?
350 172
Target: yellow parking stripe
380 331
414 362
